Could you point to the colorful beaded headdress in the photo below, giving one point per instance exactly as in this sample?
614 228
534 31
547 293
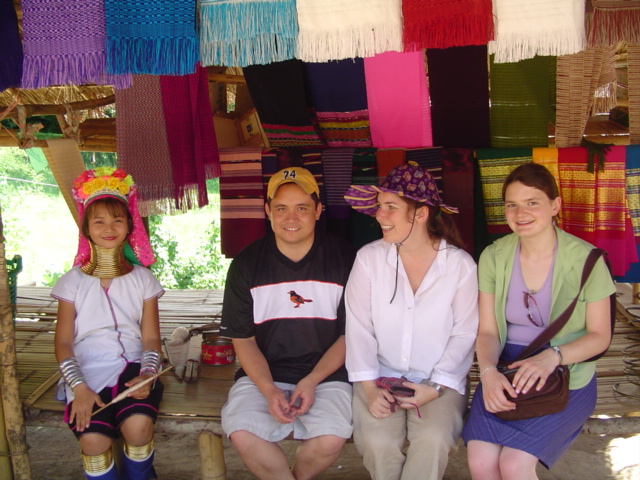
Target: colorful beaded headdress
112 182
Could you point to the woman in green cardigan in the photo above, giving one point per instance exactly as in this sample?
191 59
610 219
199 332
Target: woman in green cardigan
526 280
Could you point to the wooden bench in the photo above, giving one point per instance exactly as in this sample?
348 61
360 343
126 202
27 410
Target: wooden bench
195 407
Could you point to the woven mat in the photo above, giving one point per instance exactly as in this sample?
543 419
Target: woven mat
633 62
66 164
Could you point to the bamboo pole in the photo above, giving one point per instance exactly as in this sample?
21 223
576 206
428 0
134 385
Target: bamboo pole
5 463
9 384
212 465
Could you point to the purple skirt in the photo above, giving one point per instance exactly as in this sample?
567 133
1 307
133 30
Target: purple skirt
546 437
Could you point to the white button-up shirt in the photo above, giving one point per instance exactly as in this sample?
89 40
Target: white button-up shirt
429 335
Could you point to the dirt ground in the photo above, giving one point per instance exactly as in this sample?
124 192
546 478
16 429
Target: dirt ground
54 455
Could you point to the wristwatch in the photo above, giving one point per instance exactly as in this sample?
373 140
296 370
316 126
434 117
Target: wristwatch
439 388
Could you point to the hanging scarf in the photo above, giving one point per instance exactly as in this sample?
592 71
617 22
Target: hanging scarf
192 140
578 77
526 28
594 205
430 159
247 32
279 95
548 157
633 62
400 117
338 29
457 188
363 228
520 102
495 164
632 176
446 23
140 130
339 96
64 43
614 21
157 37
387 160
459 90
11 51
242 215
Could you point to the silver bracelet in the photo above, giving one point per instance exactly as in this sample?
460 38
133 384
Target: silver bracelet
559 353
70 371
484 370
150 362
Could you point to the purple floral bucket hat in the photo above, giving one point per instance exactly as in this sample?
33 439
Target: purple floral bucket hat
409 181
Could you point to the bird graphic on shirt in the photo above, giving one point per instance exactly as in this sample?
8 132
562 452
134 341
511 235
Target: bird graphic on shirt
297 299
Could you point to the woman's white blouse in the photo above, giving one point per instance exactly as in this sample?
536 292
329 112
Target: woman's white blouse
427 336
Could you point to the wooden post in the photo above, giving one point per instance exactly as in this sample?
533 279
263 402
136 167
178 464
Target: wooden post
636 290
212 465
9 384
5 463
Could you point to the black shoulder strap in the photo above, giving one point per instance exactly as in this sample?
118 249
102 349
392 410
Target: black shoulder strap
554 327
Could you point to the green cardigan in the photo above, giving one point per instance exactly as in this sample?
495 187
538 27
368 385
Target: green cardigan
494 272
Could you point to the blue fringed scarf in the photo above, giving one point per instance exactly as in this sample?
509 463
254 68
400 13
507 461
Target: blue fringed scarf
156 37
247 32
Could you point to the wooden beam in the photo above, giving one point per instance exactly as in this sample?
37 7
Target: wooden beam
61 110
224 78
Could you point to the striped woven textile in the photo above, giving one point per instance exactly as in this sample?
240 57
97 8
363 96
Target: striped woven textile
247 32
242 215
156 37
526 28
192 140
614 21
140 129
279 93
339 29
446 23
400 117
594 205
549 158
633 66
11 52
337 164
338 93
428 158
388 159
495 164
632 176
458 191
64 43
363 228
578 77
521 95
459 91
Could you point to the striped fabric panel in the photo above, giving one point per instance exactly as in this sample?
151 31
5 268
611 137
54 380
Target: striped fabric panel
336 167
345 129
291 136
241 199
241 179
595 204
388 159
633 62
430 159
632 176
495 164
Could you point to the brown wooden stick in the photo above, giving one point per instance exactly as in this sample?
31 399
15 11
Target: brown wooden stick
135 387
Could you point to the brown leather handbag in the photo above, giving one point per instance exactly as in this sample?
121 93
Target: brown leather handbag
554 395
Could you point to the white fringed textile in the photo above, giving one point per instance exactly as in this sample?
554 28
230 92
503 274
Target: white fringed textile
339 29
526 28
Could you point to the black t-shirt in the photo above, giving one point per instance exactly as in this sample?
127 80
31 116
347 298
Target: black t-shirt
295 310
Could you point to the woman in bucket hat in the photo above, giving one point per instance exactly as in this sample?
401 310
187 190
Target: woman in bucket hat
412 318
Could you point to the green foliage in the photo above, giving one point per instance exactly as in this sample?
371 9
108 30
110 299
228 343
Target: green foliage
204 268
